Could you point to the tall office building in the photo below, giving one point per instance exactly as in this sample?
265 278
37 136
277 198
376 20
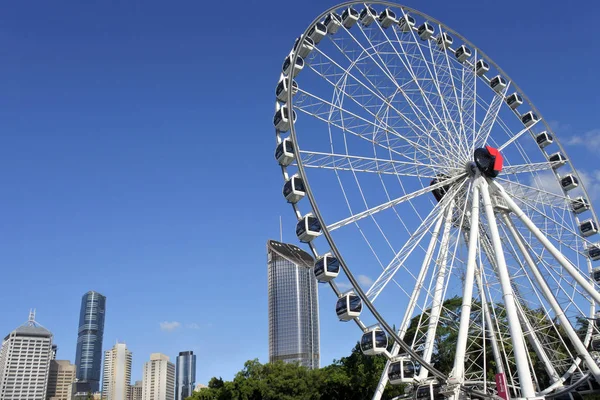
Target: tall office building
88 356
60 380
116 376
135 391
25 362
293 305
159 378
185 375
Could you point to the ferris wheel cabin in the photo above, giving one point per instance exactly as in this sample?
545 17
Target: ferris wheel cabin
580 204
425 31
462 53
387 18
594 254
281 92
317 32
498 83
588 228
367 16
441 191
569 182
327 268
332 22
514 101
544 139
444 41
481 67
281 120
557 160
406 23
348 307
529 118
305 48
284 153
373 342
287 66
293 189
429 391
308 228
349 17
402 371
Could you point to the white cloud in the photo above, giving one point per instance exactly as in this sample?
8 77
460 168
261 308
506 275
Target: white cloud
170 326
591 181
547 182
344 285
193 325
590 139
364 280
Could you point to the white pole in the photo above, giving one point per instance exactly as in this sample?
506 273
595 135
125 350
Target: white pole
465 316
562 260
549 296
490 325
411 306
436 307
519 349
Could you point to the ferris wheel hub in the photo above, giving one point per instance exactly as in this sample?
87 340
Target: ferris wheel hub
489 161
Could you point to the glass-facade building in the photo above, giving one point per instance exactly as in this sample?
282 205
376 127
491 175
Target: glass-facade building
185 375
88 356
293 305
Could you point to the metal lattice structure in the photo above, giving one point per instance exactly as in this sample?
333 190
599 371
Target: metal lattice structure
411 156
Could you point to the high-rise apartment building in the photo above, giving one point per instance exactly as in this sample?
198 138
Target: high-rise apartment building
88 356
135 391
293 305
60 380
159 378
25 362
185 375
116 376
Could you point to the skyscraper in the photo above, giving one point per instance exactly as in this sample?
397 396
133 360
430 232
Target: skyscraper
293 305
116 376
88 356
60 380
135 391
25 362
185 375
159 378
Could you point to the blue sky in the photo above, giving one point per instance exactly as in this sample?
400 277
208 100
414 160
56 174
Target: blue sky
137 158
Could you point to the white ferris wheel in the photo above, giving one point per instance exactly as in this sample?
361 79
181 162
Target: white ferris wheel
410 157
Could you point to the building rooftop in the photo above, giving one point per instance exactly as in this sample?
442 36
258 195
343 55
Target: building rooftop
292 253
30 328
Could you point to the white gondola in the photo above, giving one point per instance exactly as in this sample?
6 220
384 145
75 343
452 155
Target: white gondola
588 228
349 17
595 343
317 32
481 67
596 271
373 342
428 391
425 31
402 370
594 254
462 53
305 48
287 66
514 100
327 268
580 204
308 228
498 83
444 41
406 23
332 22
544 139
367 16
557 160
569 182
529 118
293 189
281 120
348 307
387 18
282 89
284 153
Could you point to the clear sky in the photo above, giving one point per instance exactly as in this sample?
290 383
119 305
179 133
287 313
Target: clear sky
137 159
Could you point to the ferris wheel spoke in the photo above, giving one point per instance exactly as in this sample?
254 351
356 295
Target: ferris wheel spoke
490 117
518 135
524 192
523 168
393 203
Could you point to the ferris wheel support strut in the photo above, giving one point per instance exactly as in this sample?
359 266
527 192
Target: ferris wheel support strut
514 325
490 325
549 296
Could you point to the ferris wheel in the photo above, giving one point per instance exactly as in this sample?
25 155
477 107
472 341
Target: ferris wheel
424 179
